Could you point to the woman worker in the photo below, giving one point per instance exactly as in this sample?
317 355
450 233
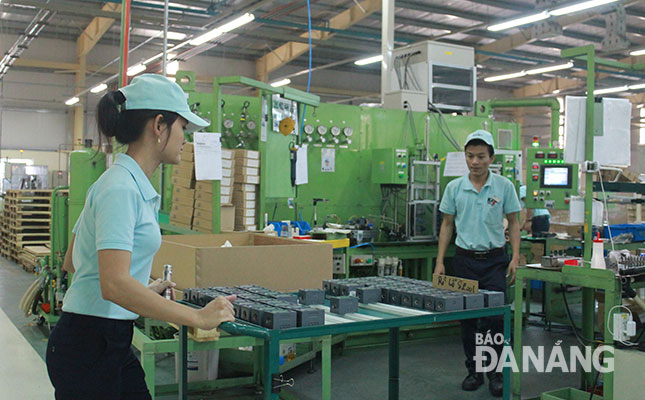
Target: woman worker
115 239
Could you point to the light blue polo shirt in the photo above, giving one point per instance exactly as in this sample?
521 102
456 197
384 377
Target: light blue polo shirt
537 212
121 212
479 216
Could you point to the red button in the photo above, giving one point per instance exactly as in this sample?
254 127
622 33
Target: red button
566 201
536 167
357 261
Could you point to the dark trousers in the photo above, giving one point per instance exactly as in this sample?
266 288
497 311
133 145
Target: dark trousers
491 275
540 225
91 358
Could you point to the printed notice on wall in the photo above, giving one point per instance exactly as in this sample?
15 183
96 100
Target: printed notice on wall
327 160
455 164
302 174
208 156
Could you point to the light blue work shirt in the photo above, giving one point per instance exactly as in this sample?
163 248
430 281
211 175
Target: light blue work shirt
121 212
537 212
479 216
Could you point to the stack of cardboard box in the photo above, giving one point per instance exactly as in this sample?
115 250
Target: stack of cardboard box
183 196
246 182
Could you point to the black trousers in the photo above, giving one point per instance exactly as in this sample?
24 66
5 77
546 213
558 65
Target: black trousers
91 358
491 275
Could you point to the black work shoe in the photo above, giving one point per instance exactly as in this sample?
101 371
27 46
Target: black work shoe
496 385
472 381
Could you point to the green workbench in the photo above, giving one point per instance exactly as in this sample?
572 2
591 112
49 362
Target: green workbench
590 280
378 317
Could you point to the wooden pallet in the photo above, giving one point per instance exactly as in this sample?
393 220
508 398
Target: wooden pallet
31 255
25 222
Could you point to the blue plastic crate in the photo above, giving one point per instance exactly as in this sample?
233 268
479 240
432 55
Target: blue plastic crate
638 230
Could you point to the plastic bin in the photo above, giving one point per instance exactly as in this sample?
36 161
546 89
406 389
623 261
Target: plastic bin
638 230
568 394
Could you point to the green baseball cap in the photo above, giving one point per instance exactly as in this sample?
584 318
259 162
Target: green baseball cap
482 135
156 92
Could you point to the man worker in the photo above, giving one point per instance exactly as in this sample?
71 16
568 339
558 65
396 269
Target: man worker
476 205
537 221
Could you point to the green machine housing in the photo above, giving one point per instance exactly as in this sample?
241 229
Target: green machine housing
550 182
390 166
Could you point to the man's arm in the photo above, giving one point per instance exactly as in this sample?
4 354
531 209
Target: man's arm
514 233
445 235
526 225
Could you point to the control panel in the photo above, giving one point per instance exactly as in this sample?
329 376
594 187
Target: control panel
364 260
550 182
508 166
390 166
339 263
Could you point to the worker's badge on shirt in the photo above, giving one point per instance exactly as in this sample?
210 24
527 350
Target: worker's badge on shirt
493 200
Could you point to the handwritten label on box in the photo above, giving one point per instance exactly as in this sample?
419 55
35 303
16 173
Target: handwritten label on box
454 283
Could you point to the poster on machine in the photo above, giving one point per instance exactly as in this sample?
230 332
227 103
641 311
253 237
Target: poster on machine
283 108
327 160
208 156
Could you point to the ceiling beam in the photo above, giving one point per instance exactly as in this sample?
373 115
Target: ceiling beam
94 31
291 50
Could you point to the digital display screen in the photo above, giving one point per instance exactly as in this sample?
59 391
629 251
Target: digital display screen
553 155
556 177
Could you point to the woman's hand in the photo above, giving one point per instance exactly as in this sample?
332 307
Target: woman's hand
217 311
159 286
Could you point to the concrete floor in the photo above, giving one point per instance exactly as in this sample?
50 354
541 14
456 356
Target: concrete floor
429 369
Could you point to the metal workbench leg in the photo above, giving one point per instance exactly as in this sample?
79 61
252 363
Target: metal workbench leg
326 368
183 362
271 367
507 342
148 365
517 335
393 389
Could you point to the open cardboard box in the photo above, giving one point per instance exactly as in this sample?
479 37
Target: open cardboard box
269 261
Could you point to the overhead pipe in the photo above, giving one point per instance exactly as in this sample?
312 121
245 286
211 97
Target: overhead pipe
387 44
125 40
484 108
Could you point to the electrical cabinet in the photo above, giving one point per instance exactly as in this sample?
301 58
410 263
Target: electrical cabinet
550 182
390 166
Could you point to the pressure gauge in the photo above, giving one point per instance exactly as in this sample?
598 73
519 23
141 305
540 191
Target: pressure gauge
251 125
228 123
309 129
348 131
322 129
335 131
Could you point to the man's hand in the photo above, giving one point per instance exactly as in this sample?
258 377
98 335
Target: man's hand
512 269
526 226
439 269
159 285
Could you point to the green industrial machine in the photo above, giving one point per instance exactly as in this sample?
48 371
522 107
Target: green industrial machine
86 166
550 182
390 166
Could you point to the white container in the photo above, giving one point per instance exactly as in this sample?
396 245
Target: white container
598 255
202 365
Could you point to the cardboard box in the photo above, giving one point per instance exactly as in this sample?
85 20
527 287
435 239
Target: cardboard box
246 228
245 204
203 196
203 219
188 147
247 162
185 192
187 156
276 263
246 212
202 214
203 205
241 196
202 230
183 182
245 187
180 224
247 171
228 154
241 220
227 163
186 165
183 201
574 230
181 218
179 209
225 199
204 186
241 153
254 180
225 190
227 172
188 173
226 181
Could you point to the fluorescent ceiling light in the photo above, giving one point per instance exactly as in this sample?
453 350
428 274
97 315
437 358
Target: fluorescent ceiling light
172 67
157 33
72 101
611 90
556 91
98 88
227 27
637 52
579 7
637 87
136 69
281 82
549 68
519 21
369 60
640 106
506 76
